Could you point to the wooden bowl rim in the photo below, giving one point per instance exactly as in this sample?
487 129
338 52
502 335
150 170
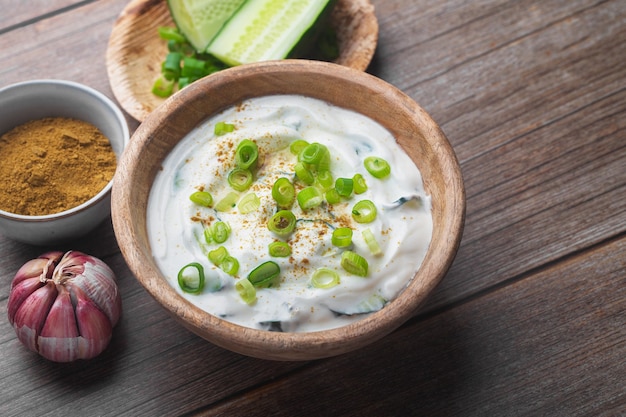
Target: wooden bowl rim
260 343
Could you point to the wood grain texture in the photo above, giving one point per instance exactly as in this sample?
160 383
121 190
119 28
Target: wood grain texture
530 319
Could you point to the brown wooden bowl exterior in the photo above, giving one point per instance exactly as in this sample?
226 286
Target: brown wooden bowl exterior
135 51
414 130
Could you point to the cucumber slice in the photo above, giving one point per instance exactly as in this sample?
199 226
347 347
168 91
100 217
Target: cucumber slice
201 20
263 30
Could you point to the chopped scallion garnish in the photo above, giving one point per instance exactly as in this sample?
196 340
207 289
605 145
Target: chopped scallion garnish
240 179
279 249
163 87
344 186
282 223
228 202
284 193
246 290
249 203
324 278
218 255
263 276
378 167
332 196
303 173
316 155
364 211
191 278
202 198
371 242
221 128
309 197
342 237
354 263
360 186
220 231
247 155
297 145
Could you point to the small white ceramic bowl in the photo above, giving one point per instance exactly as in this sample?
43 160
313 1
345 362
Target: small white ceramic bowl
36 99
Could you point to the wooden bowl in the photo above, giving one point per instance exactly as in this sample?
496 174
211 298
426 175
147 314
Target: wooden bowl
415 132
135 51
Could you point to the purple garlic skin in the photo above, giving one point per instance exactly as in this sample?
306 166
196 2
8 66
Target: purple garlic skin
64 306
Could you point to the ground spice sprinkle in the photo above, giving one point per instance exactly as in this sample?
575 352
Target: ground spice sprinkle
52 165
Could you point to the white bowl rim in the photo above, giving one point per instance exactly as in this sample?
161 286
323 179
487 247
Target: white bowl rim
125 139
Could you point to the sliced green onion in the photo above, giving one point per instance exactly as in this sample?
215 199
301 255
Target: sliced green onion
208 237
221 128
378 167
332 196
344 186
171 34
264 275
360 186
163 87
354 263
170 68
228 202
246 290
247 155
191 278
240 179
230 265
279 249
284 193
316 155
364 211
220 231
342 237
325 179
371 241
282 223
193 67
249 203
217 256
202 198
185 81
309 197
303 173
297 145
324 278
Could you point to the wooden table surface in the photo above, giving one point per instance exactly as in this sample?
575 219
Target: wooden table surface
530 320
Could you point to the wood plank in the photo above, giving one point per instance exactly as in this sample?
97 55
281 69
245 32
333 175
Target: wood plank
17 13
552 343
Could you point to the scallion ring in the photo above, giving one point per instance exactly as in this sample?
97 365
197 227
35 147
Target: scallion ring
191 278
279 249
284 193
332 196
354 263
324 278
217 256
378 167
316 155
220 231
297 145
344 186
342 237
230 265
371 242
309 197
282 223
228 202
246 290
360 186
222 128
364 211
303 173
325 179
202 198
263 276
247 155
240 179
249 203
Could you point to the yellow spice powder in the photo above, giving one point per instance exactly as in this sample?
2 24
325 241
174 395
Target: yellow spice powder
53 164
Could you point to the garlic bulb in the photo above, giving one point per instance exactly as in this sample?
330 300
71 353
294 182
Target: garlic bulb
64 306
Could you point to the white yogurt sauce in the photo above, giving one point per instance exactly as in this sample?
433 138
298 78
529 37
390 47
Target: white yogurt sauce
403 225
